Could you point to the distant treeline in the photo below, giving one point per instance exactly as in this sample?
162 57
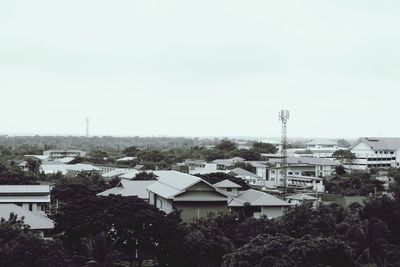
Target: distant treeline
106 142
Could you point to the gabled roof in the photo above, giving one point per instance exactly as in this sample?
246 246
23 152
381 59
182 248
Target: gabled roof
301 196
64 168
257 198
227 184
130 188
243 172
34 220
379 143
322 142
115 172
173 183
130 174
126 158
257 164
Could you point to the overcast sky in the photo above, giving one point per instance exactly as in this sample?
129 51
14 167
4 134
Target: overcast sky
200 68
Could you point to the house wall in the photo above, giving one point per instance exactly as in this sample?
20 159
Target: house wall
195 210
272 212
262 172
161 203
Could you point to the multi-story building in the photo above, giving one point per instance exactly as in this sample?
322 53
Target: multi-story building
63 153
322 148
375 152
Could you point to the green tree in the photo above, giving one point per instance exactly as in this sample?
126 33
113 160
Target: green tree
344 156
130 151
226 145
217 177
260 147
142 230
75 188
102 252
21 248
33 165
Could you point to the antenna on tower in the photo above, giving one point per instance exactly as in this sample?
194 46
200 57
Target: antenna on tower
87 127
284 117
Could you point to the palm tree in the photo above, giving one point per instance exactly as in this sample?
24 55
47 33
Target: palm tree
101 252
374 245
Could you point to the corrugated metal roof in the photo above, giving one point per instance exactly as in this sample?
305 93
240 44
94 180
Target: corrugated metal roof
163 190
227 184
257 198
130 174
34 220
379 143
301 196
177 180
130 188
243 172
9 189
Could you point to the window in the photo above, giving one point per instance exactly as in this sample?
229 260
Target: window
229 189
30 206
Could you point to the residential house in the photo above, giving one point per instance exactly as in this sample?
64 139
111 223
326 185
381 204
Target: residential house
38 223
227 164
194 197
35 198
136 188
246 175
301 198
228 187
257 204
375 152
252 203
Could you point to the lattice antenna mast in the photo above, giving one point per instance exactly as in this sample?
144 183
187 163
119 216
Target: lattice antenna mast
284 117
87 127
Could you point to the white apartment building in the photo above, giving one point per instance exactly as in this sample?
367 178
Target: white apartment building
322 148
376 152
62 153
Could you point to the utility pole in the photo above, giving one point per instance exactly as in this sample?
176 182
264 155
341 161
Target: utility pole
87 127
284 117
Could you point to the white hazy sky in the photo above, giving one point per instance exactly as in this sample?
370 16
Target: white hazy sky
200 68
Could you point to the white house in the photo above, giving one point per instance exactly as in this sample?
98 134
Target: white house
301 198
322 148
258 204
227 164
191 195
37 222
35 198
246 175
376 152
228 187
